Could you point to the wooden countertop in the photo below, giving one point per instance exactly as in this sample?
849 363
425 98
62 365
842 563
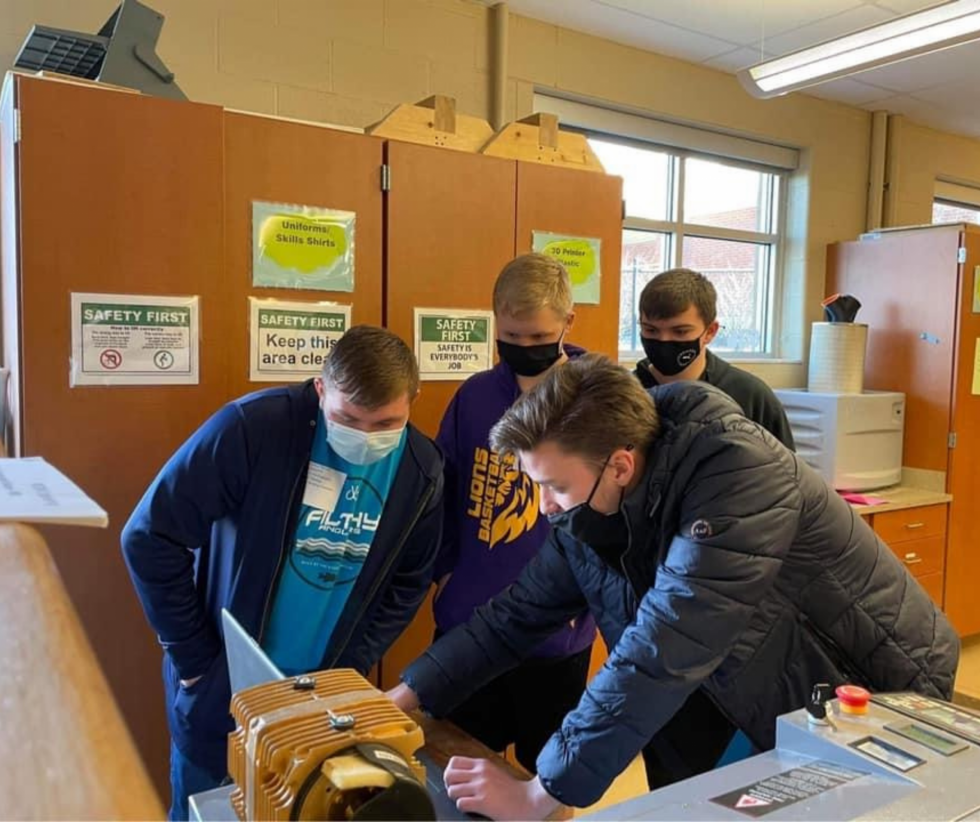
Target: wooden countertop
900 497
443 740
65 752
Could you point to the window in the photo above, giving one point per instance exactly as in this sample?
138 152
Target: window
718 217
955 203
947 212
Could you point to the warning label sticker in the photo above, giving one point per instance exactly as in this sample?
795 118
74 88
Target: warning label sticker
787 788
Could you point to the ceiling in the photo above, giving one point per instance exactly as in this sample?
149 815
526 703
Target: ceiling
937 89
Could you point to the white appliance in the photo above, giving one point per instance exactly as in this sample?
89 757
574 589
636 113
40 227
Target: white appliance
853 440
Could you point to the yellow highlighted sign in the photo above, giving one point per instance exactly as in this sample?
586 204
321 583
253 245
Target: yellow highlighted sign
302 247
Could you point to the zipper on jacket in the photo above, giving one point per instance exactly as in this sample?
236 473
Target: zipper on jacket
372 592
282 553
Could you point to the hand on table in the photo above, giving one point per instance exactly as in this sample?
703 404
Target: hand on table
404 697
480 786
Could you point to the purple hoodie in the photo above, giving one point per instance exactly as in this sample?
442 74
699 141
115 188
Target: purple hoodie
493 523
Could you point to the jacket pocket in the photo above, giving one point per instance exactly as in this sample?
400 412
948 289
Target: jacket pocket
195 702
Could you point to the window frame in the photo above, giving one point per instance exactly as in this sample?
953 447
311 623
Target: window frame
676 229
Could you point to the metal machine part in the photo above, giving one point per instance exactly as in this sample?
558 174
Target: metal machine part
918 762
324 746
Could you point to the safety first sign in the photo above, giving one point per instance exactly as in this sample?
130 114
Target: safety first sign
290 341
128 339
453 344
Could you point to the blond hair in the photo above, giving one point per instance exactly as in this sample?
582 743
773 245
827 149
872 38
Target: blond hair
372 367
590 407
530 283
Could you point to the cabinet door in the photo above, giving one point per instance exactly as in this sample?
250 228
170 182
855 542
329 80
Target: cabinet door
907 285
296 163
450 229
122 194
963 479
585 204
933 585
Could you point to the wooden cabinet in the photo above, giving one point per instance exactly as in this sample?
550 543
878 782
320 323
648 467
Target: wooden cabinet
916 287
918 538
453 220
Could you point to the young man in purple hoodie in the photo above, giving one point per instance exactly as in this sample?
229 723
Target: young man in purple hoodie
493 525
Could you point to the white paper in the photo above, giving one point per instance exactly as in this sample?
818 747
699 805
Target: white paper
31 490
323 487
289 341
130 339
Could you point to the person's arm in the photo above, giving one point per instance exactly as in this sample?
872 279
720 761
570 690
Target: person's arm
500 633
203 481
706 589
406 590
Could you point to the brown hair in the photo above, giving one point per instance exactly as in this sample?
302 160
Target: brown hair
372 367
590 406
672 292
530 283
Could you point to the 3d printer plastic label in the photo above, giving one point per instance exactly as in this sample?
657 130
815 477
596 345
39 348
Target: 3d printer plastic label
787 788
581 257
295 246
126 339
453 344
290 341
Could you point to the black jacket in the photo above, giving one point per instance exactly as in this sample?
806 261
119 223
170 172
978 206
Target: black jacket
745 576
755 398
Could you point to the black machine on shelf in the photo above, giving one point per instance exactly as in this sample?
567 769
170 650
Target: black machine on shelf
123 53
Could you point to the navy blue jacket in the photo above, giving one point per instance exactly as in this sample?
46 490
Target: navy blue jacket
211 533
745 576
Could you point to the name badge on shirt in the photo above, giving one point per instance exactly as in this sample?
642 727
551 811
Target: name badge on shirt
323 487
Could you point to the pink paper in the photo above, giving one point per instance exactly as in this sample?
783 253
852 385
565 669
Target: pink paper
861 499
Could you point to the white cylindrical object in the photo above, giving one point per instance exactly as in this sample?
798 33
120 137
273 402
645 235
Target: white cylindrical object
837 358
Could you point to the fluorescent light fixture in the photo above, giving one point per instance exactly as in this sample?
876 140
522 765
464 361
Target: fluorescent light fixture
932 29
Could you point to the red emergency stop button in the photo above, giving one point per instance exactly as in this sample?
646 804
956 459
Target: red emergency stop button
853 699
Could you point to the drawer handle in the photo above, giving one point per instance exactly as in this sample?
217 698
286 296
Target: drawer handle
913 525
912 558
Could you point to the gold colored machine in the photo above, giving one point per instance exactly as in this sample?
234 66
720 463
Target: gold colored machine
326 746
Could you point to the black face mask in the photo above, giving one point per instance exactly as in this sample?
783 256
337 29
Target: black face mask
529 360
606 534
669 357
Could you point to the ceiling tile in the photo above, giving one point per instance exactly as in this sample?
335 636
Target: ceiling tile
847 91
732 61
954 97
625 27
930 70
826 29
907 6
742 21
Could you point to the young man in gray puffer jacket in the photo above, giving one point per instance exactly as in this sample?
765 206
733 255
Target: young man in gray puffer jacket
724 574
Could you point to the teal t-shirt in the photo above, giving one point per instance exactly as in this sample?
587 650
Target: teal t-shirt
339 516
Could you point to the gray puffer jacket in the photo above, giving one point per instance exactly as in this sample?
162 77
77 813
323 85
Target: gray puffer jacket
745 576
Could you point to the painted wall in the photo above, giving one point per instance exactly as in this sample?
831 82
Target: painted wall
350 61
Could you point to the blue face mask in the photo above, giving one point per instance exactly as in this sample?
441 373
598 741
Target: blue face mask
362 447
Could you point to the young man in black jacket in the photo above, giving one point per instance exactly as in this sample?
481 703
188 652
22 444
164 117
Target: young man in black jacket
678 319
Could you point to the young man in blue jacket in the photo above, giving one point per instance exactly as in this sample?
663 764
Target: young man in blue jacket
493 525
312 512
724 574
